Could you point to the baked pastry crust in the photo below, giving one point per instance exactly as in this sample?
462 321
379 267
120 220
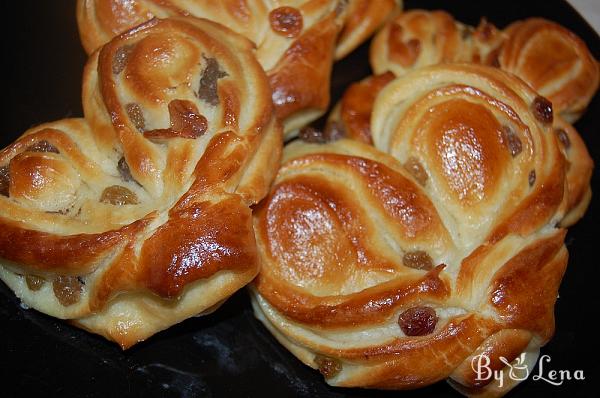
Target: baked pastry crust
295 40
464 177
549 57
554 61
138 216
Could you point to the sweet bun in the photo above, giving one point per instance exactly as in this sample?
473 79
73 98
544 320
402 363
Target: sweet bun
295 40
554 61
138 216
546 55
362 19
395 265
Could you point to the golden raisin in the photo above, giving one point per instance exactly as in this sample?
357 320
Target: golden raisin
135 113
414 167
67 289
418 321
34 283
120 59
329 367
286 21
118 195
417 259
186 119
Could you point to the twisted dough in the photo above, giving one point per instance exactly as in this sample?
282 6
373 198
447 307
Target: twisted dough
394 266
138 216
549 57
352 115
295 40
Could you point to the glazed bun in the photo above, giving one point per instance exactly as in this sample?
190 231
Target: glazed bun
295 40
395 265
138 216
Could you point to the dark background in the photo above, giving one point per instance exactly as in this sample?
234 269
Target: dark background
229 353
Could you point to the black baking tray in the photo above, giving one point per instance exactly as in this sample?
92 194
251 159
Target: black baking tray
229 353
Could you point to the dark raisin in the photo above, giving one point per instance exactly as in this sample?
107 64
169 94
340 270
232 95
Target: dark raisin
186 119
67 289
208 82
312 135
118 196
286 21
4 180
417 259
124 170
511 140
531 178
43 146
34 283
563 137
418 321
542 109
329 367
120 59
135 113
414 167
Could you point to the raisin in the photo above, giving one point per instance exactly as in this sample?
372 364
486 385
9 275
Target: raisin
542 109
286 21
312 135
120 59
329 367
4 180
43 146
135 113
208 82
124 170
67 289
186 119
563 137
511 140
118 196
531 178
414 167
417 259
34 283
418 321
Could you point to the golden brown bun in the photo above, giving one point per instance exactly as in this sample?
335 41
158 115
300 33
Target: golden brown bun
579 171
554 61
363 18
138 216
549 57
295 40
452 215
